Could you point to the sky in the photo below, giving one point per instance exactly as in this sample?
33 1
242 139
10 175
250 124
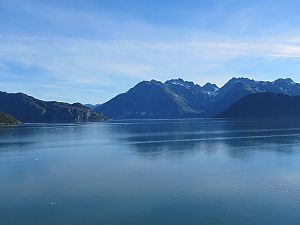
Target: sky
91 50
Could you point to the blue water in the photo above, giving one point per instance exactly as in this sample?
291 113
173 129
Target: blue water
196 171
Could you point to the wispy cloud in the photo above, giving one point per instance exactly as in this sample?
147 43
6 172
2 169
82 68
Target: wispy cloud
89 61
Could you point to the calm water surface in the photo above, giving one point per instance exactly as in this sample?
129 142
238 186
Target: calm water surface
151 172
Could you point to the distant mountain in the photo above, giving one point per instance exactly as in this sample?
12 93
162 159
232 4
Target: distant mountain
177 98
8 119
197 97
148 99
210 89
264 105
91 106
29 109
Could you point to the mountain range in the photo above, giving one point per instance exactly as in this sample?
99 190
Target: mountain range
177 98
28 109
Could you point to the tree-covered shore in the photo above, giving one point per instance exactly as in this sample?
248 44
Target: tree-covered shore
8 119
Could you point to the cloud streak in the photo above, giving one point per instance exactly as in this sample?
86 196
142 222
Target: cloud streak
88 61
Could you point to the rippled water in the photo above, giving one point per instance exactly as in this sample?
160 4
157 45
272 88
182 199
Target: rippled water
151 172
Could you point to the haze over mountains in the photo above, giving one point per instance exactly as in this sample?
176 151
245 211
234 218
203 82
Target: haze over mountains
91 106
177 98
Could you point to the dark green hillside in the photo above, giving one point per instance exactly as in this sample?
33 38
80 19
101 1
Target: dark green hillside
8 119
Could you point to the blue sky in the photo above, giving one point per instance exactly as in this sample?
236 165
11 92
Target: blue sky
91 50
